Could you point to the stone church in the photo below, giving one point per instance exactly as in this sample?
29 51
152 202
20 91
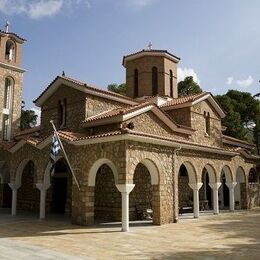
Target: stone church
147 155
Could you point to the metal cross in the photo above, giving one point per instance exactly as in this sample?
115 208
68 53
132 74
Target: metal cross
150 45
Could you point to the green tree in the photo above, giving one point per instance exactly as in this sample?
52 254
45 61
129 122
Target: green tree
28 118
120 89
241 109
188 86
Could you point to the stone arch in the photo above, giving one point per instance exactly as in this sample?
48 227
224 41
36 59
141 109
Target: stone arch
19 172
240 175
4 173
145 198
211 172
240 191
47 173
28 197
226 170
94 169
153 170
226 190
208 180
190 170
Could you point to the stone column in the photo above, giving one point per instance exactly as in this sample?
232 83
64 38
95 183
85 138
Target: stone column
43 189
196 202
14 188
215 187
125 189
231 186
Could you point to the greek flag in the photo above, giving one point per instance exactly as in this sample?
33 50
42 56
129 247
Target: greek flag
55 147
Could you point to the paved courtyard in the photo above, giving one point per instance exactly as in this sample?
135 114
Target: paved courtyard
229 236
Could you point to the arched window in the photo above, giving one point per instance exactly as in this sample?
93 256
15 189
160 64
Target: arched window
8 90
207 122
154 81
136 83
10 50
171 83
62 112
252 177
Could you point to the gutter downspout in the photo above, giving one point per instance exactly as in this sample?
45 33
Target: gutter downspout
175 185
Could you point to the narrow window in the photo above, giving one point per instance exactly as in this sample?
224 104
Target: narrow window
154 81
171 83
62 107
8 93
6 128
136 83
10 50
207 123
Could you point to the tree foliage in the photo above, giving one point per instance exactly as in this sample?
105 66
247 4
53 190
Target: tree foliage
28 118
117 88
188 86
242 110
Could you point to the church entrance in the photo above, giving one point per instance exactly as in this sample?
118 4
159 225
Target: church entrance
59 194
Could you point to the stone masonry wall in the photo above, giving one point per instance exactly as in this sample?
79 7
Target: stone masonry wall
17 98
107 197
198 123
28 196
151 124
181 116
253 195
141 197
185 192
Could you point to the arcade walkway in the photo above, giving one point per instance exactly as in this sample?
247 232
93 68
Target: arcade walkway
229 236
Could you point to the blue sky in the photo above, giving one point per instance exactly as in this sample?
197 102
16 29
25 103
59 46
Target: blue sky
218 41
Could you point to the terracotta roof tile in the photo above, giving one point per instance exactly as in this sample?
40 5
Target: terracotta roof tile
149 51
7 145
72 136
117 111
237 140
183 100
28 132
13 34
82 84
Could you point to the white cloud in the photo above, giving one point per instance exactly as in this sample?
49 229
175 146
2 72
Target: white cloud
183 73
229 80
37 112
46 8
244 83
36 9
140 3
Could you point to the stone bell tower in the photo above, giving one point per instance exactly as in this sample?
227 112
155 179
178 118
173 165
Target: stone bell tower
11 83
150 73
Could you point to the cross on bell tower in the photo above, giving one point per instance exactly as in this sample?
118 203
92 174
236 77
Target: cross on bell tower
150 45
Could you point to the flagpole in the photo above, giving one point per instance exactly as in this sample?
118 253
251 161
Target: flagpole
64 152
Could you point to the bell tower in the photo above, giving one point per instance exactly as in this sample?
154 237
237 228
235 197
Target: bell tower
11 83
151 73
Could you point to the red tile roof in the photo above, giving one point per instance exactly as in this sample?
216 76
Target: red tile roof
82 84
149 51
117 111
13 34
72 136
183 100
237 140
